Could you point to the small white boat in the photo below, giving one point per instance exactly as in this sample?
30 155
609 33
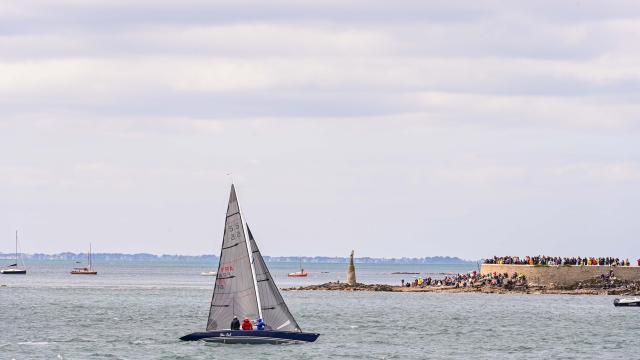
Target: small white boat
209 273
627 302
13 271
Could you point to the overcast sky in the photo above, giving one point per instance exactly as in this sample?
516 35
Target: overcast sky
404 128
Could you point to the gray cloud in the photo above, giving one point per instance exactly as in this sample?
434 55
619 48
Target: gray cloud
490 126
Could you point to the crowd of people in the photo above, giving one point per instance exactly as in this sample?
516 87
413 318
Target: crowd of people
470 279
556 260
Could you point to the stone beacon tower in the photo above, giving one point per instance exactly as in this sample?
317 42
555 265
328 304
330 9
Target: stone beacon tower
351 273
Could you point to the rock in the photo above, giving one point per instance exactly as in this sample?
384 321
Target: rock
595 287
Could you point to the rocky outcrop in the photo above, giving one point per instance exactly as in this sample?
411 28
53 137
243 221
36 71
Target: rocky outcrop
591 287
338 286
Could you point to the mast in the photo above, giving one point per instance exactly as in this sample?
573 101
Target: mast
89 256
251 262
16 246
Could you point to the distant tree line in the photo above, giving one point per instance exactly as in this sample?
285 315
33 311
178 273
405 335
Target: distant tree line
69 256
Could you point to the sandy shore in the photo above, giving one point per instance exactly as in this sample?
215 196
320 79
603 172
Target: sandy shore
487 289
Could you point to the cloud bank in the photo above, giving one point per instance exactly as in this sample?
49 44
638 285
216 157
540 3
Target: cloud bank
394 129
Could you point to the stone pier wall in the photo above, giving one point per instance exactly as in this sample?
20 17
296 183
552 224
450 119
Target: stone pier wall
562 275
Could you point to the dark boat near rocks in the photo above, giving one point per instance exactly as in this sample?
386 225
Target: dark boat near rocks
627 302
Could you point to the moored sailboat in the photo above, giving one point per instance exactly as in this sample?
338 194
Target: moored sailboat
245 289
15 268
86 270
300 273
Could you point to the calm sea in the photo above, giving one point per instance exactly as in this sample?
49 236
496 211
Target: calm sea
138 311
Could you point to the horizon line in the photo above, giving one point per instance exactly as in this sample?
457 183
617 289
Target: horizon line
214 255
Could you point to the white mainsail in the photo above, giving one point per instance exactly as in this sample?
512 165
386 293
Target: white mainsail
234 293
244 287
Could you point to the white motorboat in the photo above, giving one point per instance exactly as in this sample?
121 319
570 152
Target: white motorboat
635 301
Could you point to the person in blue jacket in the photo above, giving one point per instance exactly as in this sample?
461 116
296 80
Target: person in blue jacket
260 324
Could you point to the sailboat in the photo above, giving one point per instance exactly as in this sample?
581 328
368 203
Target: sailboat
244 288
14 269
300 273
87 270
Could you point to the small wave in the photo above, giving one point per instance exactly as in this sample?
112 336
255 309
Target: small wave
33 343
140 342
75 340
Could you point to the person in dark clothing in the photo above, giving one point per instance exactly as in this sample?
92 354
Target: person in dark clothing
246 324
235 323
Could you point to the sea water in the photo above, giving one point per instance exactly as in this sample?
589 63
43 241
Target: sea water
139 310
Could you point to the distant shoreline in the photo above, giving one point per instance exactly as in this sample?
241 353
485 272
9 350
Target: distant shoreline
105 257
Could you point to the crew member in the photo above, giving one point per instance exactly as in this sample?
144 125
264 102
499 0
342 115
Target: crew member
235 323
246 324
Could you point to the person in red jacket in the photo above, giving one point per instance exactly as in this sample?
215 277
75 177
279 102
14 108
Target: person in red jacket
246 324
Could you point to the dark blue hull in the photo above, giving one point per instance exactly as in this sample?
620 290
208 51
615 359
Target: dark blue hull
252 337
